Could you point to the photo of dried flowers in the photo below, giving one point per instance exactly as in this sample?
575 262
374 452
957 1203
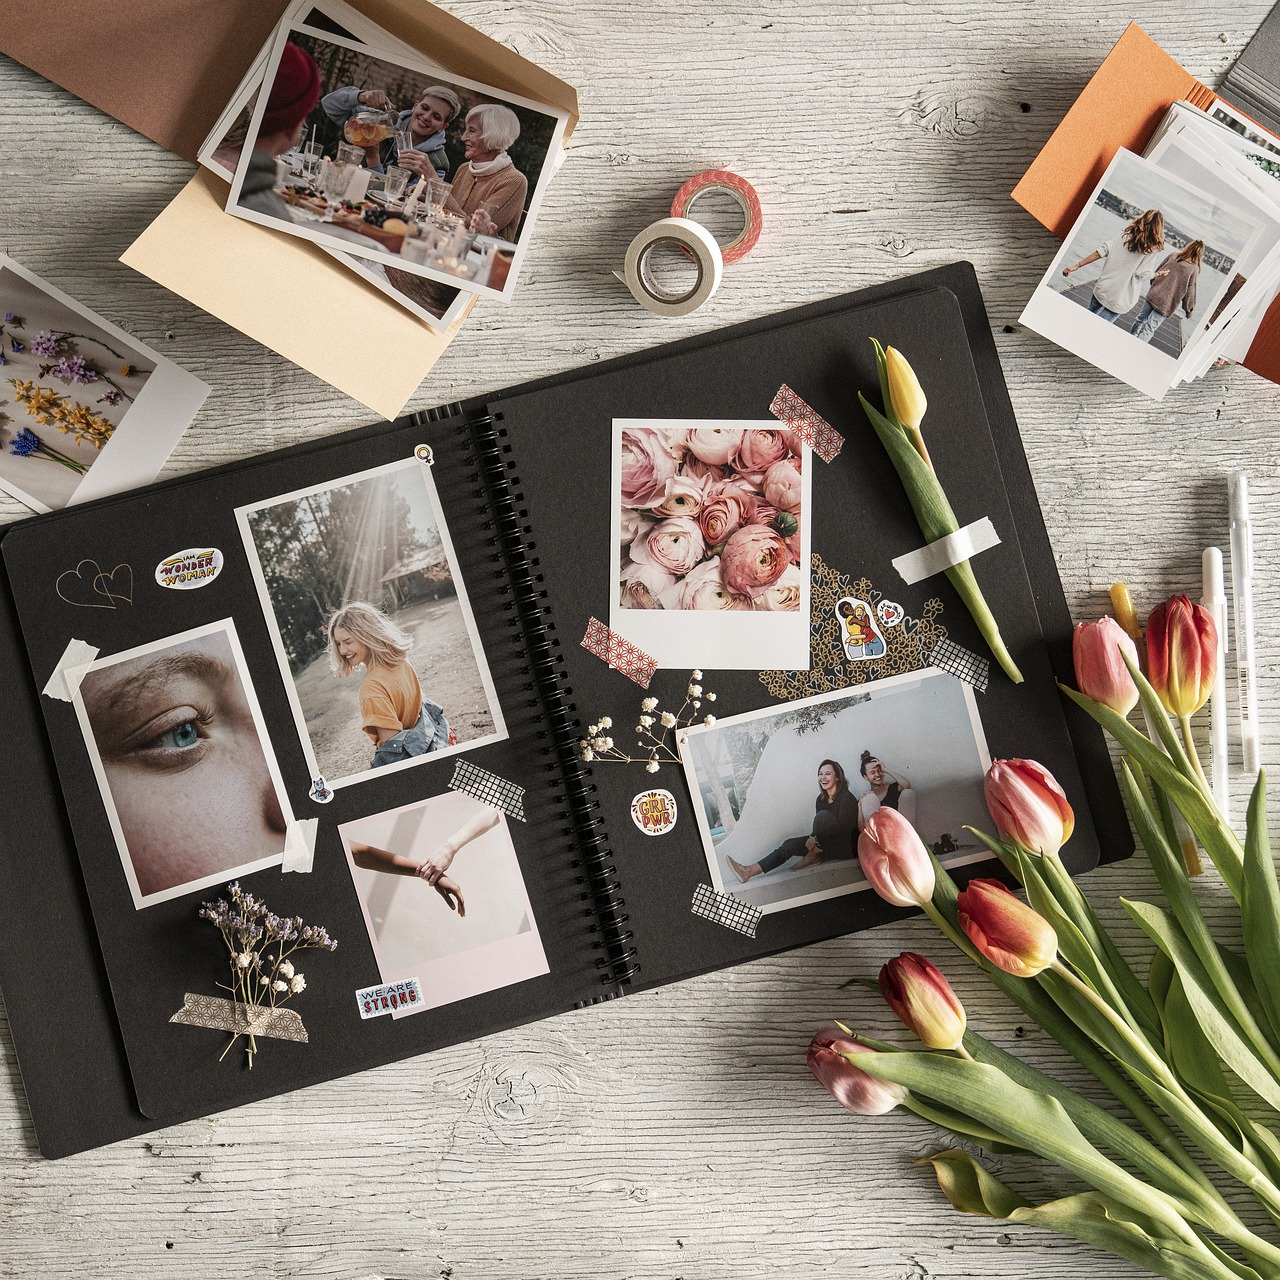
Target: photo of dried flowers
66 384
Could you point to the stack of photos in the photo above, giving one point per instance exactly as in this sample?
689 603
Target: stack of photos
85 409
423 181
710 533
782 794
1176 257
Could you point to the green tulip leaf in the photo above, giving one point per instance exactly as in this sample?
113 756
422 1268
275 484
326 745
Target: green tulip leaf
1095 1219
1230 1042
1260 907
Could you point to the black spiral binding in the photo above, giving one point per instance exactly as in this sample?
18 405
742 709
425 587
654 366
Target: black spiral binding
504 514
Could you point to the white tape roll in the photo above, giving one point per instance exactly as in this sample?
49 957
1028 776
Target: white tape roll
701 246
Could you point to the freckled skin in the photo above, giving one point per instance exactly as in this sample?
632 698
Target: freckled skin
183 763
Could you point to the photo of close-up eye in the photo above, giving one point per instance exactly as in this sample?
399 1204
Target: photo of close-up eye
191 788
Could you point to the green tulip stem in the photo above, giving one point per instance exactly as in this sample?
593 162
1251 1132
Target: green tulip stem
916 437
1193 755
962 1052
1198 1126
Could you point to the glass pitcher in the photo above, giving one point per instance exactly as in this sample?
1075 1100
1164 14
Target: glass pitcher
370 128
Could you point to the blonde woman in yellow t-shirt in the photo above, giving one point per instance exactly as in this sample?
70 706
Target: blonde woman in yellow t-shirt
400 722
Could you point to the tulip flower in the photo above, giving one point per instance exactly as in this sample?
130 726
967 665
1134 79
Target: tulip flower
1097 649
894 860
906 397
917 992
1028 806
855 1090
1012 935
1182 655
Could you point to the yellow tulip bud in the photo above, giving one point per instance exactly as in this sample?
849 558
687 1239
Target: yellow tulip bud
905 392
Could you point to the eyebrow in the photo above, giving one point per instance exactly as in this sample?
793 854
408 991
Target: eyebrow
132 688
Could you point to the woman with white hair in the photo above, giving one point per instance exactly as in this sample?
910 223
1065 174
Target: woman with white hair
487 177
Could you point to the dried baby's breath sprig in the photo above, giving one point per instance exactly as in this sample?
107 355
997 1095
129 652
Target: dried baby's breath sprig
654 729
259 944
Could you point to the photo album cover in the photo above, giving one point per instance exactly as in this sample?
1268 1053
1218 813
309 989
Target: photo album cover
378 710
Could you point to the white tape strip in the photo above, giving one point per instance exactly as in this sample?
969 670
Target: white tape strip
75 661
947 552
300 845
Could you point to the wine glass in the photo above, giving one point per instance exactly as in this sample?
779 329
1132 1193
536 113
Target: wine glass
335 182
437 193
397 180
349 154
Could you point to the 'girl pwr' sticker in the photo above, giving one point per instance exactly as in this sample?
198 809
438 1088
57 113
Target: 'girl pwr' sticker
654 811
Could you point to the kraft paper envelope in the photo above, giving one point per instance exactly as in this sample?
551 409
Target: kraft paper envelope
167 68
1120 107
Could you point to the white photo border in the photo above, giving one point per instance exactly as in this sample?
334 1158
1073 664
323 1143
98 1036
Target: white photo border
228 627
908 679
242 515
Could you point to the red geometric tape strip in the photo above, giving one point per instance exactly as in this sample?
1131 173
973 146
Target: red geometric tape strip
807 423
619 653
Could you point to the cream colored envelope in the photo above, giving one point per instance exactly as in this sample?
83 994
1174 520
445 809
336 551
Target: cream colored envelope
167 68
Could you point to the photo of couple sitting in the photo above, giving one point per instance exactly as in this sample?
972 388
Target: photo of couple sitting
1139 259
839 816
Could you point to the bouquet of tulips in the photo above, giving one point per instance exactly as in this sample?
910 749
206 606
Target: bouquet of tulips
1190 1048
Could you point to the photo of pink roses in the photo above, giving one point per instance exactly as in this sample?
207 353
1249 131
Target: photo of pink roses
711 518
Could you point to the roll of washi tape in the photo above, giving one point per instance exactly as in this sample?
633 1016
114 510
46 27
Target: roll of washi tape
737 189
685 234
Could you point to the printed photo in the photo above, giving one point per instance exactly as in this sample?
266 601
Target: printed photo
710 542
371 623
182 758
1145 265
782 794
436 305
461 167
85 410
443 898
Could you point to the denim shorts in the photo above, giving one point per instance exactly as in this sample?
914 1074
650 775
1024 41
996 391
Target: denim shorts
429 734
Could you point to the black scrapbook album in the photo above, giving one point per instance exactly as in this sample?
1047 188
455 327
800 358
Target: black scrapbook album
386 683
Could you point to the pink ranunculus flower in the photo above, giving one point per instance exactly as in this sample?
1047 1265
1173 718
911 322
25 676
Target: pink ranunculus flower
725 509
784 595
632 524
759 449
753 559
782 486
643 584
647 465
675 544
692 465
715 445
703 588
684 496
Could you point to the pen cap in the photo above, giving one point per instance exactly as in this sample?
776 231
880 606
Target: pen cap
1238 491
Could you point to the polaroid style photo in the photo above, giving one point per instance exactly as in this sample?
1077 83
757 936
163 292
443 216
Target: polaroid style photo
372 628
437 307
493 151
85 409
444 899
180 751
1114 293
781 795
710 535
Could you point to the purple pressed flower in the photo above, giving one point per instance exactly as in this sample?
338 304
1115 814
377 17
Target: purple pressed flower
16 345
45 343
25 443
74 369
112 397
8 317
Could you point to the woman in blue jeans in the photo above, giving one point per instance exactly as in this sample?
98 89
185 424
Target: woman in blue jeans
1128 262
835 821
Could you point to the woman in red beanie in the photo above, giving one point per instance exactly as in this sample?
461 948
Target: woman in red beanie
294 93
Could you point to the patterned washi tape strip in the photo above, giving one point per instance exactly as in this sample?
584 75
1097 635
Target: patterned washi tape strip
243 1019
725 909
619 653
488 788
807 423
960 662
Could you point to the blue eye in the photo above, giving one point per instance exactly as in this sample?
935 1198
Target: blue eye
184 735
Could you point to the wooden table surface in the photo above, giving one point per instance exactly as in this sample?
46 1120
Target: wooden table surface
673 1134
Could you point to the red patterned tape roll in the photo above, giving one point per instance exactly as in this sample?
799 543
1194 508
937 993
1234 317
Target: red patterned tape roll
738 189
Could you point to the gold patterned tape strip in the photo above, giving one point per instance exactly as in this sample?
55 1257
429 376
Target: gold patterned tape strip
219 1014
